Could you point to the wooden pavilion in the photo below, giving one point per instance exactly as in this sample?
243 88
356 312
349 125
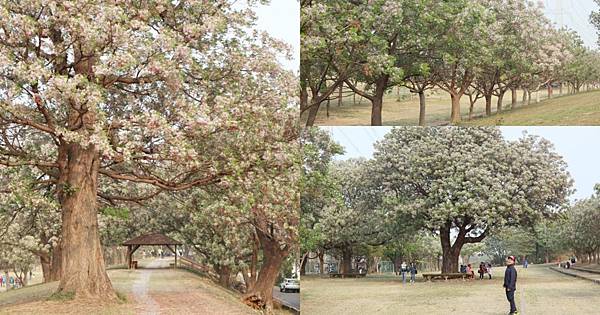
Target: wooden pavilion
156 239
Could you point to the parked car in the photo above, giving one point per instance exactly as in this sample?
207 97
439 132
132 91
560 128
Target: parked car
289 285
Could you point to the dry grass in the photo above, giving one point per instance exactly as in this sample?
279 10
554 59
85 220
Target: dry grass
174 291
403 110
540 291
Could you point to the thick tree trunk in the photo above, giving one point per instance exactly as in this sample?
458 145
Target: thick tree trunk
524 97
421 108
528 97
312 115
346 265
377 101
224 275
488 104
82 265
261 295
560 91
455 113
550 90
450 253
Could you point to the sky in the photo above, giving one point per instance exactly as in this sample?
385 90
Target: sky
281 18
579 146
574 14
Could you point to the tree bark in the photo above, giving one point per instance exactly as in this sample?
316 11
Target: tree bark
224 275
455 114
513 103
346 265
499 105
377 101
340 94
421 108
321 262
528 97
449 253
303 264
261 294
550 90
488 104
82 264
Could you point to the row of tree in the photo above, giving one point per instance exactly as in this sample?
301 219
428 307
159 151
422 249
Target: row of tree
473 48
116 107
459 184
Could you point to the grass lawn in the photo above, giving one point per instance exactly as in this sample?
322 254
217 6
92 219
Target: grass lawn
573 110
147 291
403 110
539 291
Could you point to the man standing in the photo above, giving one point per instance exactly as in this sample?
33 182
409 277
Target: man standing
510 283
403 270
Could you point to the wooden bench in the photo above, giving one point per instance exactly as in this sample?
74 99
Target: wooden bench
347 275
445 276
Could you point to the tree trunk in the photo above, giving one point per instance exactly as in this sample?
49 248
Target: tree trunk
421 108
261 295
524 97
340 94
528 97
499 104
450 253
224 275
513 103
82 265
488 104
550 90
303 264
377 101
346 265
560 91
321 262
455 114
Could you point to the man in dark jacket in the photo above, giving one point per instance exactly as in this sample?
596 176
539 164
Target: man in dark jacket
510 283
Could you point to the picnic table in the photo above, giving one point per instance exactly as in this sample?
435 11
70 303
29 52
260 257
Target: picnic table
347 275
445 276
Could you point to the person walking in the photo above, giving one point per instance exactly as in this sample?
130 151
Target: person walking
413 272
481 270
525 263
510 283
403 270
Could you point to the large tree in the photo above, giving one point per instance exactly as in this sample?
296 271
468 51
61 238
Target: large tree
464 182
153 96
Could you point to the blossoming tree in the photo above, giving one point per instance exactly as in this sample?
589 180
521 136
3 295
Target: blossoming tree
120 101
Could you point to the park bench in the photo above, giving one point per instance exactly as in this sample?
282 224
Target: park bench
445 276
347 275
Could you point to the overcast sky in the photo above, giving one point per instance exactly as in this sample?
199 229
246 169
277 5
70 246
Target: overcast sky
281 18
579 146
575 14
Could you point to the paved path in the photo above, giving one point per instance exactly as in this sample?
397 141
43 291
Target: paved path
289 299
594 277
146 304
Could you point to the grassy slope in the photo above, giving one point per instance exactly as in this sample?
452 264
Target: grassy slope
573 110
580 109
176 291
540 291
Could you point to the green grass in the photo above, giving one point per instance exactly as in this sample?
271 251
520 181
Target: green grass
539 291
580 109
61 296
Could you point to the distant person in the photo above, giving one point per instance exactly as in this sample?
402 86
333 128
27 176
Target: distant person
573 260
481 270
1 280
463 269
568 264
470 272
403 270
413 272
489 270
525 263
510 283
